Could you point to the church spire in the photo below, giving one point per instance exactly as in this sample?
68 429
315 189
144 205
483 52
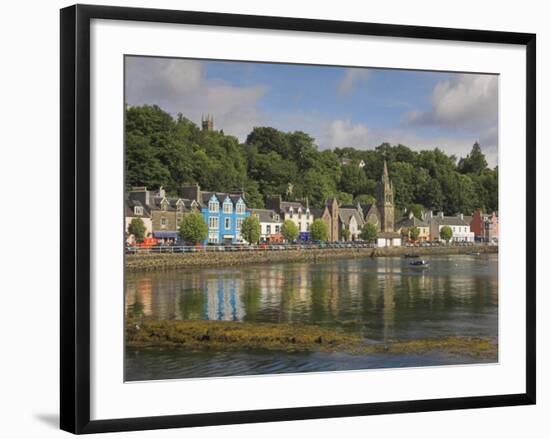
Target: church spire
385 200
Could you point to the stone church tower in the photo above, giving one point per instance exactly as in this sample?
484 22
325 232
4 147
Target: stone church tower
384 201
207 122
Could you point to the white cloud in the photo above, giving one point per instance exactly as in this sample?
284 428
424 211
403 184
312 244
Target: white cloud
464 102
352 77
179 85
342 133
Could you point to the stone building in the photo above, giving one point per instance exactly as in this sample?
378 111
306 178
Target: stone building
387 237
166 212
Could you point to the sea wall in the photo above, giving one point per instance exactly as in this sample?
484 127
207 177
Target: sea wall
164 261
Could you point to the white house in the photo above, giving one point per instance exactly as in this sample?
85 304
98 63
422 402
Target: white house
459 226
388 239
270 224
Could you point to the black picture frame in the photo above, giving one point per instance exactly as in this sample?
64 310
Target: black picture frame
75 217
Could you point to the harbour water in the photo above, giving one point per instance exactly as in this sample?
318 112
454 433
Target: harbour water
381 299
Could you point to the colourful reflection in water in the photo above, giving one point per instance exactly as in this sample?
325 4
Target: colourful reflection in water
382 298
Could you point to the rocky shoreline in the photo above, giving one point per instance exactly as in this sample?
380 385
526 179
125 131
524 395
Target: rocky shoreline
196 335
166 261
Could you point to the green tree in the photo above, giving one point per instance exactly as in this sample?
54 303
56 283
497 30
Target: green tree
346 234
446 233
290 231
251 229
353 180
319 230
414 233
365 199
137 228
369 232
193 229
473 163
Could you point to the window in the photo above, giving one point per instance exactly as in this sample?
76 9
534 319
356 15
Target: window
228 207
213 206
163 222
307 215
291 212
277 228
138 210
164 206
299 227
213 238
239 223
268 229
213 222
227 223
240 207
299 213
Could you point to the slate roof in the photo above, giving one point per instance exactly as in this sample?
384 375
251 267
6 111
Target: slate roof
450 221
345 214
129 208
316 212
265 215
221 196
411 222
286 205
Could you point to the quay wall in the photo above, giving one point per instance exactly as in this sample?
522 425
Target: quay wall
164 261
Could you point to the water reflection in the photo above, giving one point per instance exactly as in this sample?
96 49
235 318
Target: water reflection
382 298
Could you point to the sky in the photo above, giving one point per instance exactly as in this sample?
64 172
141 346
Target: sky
337 106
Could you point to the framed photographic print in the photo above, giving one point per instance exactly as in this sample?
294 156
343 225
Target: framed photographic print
268 218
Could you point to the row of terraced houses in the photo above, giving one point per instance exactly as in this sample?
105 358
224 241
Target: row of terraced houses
224 212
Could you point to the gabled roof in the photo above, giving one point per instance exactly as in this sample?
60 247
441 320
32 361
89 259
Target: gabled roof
317 212
221 196
346 213
411 222
129 206
450 221
265 215
286 205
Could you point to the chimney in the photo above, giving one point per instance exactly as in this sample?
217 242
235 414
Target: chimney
461 216
162 192
191 191
440 215
140 194
273 202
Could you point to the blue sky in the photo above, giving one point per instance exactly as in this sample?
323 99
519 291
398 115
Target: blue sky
338 106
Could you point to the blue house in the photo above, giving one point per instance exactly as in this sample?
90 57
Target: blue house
223 213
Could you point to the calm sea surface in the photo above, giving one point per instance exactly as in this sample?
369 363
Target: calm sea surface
383 299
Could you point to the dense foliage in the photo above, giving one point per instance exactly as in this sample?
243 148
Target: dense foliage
138 229
414 233
319 230
193 229
290 231
161 150
446 233
369 232
251 229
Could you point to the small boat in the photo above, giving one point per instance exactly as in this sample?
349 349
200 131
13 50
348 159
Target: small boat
410 255
475 254
421 263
